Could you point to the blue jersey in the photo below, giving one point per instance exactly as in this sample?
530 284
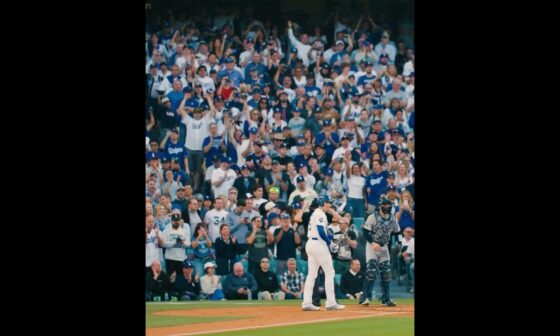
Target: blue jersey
366 79
376 185
175 99
329 147
312 90
215 150
177 150
406 218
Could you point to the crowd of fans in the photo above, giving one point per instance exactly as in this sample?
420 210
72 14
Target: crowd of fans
244 129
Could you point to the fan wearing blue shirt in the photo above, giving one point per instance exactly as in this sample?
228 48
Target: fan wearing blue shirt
175 149
376 185
369 76
229 70
213 145
327 138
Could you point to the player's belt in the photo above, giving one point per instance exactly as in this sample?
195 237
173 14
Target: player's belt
313 238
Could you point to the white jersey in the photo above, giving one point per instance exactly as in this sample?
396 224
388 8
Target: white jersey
214 219
318 218
197 130
151 248
219 174
174 251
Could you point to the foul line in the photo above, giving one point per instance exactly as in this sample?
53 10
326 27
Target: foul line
287 324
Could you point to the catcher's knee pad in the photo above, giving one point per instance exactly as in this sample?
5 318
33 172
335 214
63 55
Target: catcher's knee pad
385 270
371 269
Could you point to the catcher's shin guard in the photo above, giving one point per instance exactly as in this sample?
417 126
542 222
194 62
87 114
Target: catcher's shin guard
371 274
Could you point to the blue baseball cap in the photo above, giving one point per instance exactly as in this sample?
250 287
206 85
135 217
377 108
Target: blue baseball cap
294 50
301 143
188 264
229 60
225 159
152 156
284 215
272 216
391 175
329 171
253 130
296 205
300 179
250 40
187 89
391 187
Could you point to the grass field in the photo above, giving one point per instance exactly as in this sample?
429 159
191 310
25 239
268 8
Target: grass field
402 326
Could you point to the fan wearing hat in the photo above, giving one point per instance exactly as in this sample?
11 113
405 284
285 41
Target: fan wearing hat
231 73
277 119
176 239
344 147
257 154
369 76
245 183
256 64
223 178
210 283
306 193
297 123
386 47
186 284
197 128
245 56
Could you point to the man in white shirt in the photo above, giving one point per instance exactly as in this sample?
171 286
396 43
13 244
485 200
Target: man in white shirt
166 85
303 191
204 80
197 130
214 218
344 146
386 47
176 240
302 46
223 178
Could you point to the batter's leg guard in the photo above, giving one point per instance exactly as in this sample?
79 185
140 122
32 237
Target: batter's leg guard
371 274
385 271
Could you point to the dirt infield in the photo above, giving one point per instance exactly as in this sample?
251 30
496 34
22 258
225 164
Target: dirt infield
259 317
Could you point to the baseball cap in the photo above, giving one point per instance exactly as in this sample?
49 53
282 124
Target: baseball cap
258 143
339 42
187 89
327 122
377 121
164 159
329 172
350 118
284 145
384 55
208 197
272 216
345 137
296 205
294 50
188 264
391 187
269 205
229 60
300 179
391 175
301 143
197 85
181 187
250 40
244 167
225 159
274 189
209 264
152 156
253 130
284 215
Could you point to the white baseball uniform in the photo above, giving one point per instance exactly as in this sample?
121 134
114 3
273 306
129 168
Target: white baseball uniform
318 255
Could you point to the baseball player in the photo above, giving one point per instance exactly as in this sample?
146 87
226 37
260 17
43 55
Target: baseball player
319 254
377 231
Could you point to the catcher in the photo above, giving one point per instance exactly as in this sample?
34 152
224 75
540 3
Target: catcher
377 231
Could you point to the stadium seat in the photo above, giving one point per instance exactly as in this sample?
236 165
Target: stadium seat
302 266
245 264
337 290
358 222
272 266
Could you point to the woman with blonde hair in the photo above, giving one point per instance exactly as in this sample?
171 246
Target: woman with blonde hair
406 211
402 178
